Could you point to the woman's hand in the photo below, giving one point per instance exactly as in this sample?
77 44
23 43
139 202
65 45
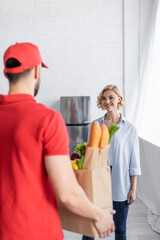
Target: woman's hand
132 193
131 197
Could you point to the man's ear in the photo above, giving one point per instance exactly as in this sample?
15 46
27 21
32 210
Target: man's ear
36 72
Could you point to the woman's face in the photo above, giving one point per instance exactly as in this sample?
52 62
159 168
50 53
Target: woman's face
110 101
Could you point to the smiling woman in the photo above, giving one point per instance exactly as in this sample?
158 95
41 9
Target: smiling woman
123 157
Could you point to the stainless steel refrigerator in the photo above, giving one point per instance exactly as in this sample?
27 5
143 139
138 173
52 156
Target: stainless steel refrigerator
76 113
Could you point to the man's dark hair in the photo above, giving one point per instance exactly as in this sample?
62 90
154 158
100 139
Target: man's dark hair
14 77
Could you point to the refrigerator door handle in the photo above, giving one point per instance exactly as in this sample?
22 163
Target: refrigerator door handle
77 124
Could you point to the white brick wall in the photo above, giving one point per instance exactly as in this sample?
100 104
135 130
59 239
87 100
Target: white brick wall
81 41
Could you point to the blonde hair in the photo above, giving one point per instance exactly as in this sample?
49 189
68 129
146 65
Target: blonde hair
113 88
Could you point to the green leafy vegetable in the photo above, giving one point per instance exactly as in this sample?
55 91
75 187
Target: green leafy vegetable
80 148
113 128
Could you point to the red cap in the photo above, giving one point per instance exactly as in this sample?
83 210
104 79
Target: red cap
26 53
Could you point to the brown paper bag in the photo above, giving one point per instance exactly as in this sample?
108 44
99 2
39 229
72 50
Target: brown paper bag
95 157
95 179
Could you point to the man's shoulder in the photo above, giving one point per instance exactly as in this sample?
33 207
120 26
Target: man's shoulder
46 112
43 108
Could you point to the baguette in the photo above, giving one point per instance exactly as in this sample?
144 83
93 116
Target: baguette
95 135
104 136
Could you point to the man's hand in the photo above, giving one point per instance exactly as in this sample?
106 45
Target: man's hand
105 225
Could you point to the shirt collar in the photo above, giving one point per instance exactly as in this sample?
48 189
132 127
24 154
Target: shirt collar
12 98
122 119
102 120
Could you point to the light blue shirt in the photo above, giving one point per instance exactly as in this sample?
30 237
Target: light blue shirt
123 157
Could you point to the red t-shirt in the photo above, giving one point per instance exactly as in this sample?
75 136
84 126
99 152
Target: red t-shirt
28 132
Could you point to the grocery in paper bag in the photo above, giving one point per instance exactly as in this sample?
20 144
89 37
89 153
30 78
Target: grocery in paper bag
89 164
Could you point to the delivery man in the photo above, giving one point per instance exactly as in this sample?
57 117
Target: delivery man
34 158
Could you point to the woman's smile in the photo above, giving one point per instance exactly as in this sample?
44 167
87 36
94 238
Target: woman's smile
107 106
